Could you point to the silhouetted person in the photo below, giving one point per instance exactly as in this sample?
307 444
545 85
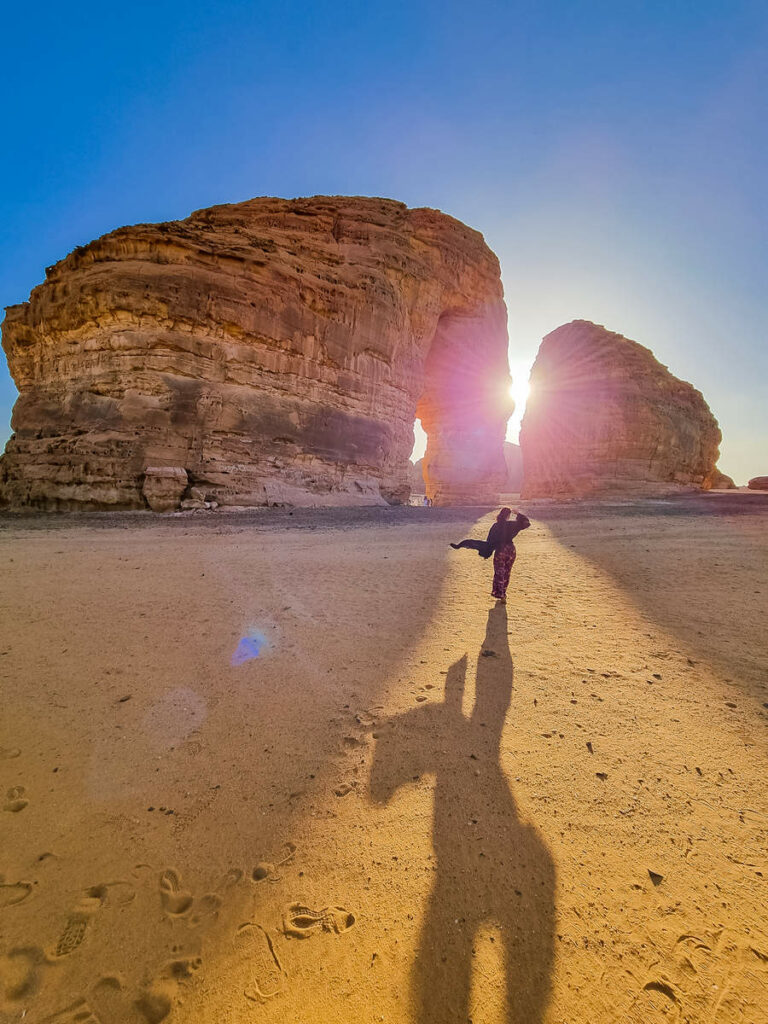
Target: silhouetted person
501 544
490 867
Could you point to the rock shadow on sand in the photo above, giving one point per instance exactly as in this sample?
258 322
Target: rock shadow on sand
693 565
491 867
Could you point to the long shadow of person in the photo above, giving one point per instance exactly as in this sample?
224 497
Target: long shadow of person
490 866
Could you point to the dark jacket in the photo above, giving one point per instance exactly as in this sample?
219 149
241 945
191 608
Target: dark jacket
501 535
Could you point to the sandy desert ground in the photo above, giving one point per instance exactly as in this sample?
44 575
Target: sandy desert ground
411 805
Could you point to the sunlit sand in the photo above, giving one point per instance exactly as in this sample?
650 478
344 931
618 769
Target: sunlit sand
299 768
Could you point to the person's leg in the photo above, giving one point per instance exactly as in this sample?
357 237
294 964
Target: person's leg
505 568
499 588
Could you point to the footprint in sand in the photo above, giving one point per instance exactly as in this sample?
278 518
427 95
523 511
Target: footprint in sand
181 970
110 1002
179 902
19 973
175 900
12 893
14 799
156 1001
691 954
113 894
154 1005
8 752
77 924
76 927
301 922
657 1004
267 871
258 969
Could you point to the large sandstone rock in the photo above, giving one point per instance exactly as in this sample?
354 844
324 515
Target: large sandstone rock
604 416
758 483
274 351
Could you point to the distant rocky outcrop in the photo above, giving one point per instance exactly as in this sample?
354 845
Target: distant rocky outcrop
758 483
720 481
604 416
273 351
416 477
512 481
513 456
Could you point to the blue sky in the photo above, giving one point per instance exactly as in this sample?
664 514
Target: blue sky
613 154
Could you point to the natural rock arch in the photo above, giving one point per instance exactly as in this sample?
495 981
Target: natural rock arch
272 351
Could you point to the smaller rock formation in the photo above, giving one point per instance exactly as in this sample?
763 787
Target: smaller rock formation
511 484
604 416
513 456
416 472
758 483
721 481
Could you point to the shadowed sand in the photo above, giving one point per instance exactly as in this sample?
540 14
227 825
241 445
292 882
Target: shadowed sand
490 867
399 803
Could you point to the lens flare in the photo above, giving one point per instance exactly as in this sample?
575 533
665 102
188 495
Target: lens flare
250 646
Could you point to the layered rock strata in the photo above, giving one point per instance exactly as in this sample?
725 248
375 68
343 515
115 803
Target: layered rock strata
272 351
758 483
605 417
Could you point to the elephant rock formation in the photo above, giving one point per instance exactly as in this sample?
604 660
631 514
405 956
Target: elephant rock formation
267 352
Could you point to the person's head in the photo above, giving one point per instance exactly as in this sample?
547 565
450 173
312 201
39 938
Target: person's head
504 515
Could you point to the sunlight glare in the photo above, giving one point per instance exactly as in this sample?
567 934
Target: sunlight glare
419 442
519 390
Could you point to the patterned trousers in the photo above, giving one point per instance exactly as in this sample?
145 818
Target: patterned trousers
503 560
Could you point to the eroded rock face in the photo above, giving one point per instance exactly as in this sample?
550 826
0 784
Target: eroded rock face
274 351
164 487
758 483
604 416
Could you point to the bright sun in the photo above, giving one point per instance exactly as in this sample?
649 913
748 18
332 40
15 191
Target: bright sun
519 390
